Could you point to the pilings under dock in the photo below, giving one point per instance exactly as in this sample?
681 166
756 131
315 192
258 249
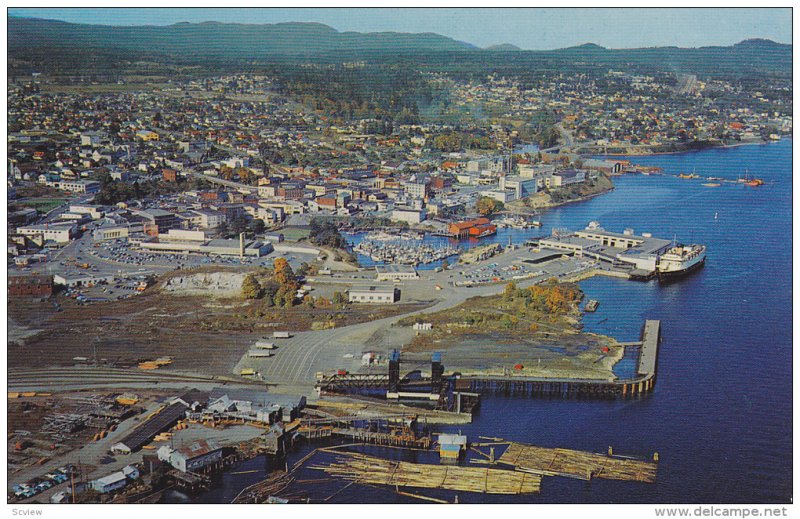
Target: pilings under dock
643 383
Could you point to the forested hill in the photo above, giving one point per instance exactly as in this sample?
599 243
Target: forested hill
74 48
212 39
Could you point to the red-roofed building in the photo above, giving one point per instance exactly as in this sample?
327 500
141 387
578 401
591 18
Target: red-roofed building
463 229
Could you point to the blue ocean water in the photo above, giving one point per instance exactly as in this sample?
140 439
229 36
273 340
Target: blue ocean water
721 414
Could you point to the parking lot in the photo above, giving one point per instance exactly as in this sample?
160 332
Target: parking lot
47 481
83 256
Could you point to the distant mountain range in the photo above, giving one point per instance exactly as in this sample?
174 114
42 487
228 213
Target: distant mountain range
219 39
30 39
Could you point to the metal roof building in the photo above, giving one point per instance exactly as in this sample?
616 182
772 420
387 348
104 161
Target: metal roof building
157 423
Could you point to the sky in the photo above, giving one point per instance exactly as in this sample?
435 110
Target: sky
528 28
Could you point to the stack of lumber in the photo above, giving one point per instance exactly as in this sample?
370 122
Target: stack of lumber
260 492
577 464
360 468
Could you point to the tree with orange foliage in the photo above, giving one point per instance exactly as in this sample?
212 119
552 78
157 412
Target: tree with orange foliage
282 271
556 303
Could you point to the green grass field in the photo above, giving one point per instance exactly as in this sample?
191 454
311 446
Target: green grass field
44 204
294 233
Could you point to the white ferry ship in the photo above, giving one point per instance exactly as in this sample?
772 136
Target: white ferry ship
680 260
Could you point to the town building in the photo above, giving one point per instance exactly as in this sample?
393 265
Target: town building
408 215
374 294
79 186
94 212
183 241
146 135
60 233
164 220
522 187
568 177
395 272
110 233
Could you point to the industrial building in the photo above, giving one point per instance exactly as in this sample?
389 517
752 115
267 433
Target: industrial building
374 294
474 228
81 280
39 286
110 483
395 272
254 405
157 423
193 457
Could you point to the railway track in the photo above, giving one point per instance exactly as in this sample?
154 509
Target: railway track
49 377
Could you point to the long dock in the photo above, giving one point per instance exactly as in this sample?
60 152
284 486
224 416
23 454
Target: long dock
642 383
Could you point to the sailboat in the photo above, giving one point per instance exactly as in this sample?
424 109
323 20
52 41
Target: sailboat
751 182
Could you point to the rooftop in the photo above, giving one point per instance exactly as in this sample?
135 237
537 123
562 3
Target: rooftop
395 269
373 289
199 448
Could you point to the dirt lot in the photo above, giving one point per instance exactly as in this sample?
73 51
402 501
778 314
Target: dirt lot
566 356
495 335
203 335
30 444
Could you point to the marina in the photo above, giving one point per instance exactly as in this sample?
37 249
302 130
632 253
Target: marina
403 250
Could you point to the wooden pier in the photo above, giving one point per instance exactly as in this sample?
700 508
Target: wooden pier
399 439
190 481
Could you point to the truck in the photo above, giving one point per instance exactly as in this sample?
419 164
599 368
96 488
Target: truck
253 354
281 335
264 345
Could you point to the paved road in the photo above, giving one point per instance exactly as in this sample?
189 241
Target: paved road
297 360
226 183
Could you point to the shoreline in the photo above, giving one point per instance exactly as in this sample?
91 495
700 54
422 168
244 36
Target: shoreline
759 142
